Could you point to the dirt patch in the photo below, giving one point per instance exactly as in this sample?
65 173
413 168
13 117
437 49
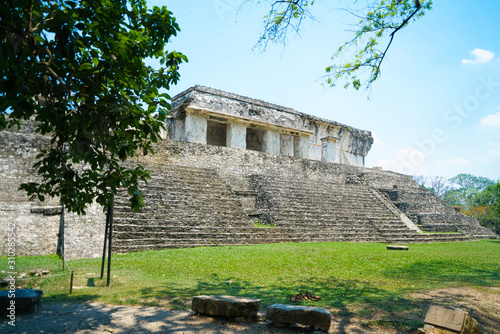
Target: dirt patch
483 304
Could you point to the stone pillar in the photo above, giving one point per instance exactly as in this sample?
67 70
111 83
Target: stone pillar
196 129
329 149
236 135
301 147
271 142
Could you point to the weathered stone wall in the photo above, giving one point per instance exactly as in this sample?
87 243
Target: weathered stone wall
38 228
84 235
19 149
38 223
231 161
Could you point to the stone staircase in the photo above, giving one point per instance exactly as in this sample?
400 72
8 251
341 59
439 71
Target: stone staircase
329 211
185 207
432 214
188 207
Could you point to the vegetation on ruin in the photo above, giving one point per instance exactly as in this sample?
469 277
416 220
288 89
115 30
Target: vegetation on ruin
259 225
349 277
358 61
78 67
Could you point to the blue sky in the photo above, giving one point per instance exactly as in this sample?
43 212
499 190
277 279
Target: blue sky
434 111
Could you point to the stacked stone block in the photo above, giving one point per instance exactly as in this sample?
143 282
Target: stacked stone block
37 224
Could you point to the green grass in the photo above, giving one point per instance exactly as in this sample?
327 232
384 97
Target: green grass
349 277
259 225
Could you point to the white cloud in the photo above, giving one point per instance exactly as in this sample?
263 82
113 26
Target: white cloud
482 56
491 120
494 150
377 141
455 162
406 160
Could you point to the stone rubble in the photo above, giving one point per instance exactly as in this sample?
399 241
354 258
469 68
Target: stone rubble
226 306
294 314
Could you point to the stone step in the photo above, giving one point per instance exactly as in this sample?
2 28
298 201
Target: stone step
176 243
329 216
258 237
216 225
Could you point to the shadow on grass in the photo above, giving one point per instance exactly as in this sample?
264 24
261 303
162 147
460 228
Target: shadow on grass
345 298
446 273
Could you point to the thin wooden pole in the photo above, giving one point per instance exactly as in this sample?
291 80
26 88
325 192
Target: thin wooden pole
61 235
110 234
71 283
105 241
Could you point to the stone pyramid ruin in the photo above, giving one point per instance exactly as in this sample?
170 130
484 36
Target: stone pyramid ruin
232 170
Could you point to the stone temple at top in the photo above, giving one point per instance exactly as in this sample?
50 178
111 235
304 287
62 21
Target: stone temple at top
208 116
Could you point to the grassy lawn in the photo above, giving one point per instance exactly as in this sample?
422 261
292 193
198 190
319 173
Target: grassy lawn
349 277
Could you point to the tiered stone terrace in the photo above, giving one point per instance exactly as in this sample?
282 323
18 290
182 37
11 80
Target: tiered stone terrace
221 204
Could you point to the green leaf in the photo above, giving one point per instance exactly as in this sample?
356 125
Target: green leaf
95 100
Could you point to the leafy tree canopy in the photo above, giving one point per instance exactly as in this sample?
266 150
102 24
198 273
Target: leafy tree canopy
466 188
485 206
78 68
489 196
471 182
379 22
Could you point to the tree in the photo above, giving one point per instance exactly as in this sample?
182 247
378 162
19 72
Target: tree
78 69
454 197
485 206
438 185
488 196
466 188
379 22
496 204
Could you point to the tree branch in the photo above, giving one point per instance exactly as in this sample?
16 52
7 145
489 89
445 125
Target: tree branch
417 3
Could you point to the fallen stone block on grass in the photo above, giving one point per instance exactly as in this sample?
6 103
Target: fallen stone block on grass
226 306
397 247
20 301
318 317
443 320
